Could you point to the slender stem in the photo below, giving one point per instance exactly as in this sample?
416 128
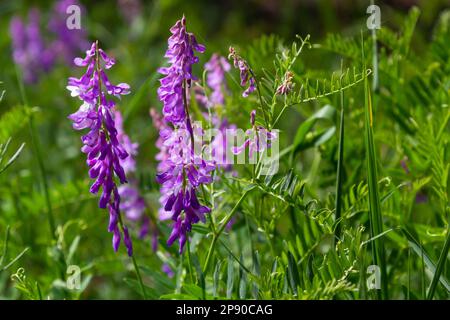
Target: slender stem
136 268
138 274
43 172
339 177
279 115
188 253
188 118
260 98
219 232
35 144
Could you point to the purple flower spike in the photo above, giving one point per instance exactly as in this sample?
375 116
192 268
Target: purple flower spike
245 72
180 171
105 153
178 76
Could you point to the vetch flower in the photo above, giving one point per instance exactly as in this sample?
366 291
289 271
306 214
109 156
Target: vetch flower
259 138
178 76
101 144
286 86
181 172
29 50
129 163
246 73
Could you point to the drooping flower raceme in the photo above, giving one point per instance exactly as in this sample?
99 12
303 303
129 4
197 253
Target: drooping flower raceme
246 73
182 171
104 152
29 49
259 138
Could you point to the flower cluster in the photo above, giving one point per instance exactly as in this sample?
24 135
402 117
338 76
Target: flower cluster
259 138
101 144
286 85
36 56
181 175
181 171
246 73
178 75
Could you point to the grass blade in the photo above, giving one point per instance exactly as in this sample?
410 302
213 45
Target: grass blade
375 217
439 268
339 174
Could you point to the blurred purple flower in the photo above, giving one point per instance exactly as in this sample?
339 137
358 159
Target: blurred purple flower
69 42
133 204
130 9
246 73
104 152
421 197
168 270
404 164
129 163
29 50
216 68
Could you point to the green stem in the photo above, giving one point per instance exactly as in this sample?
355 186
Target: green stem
136 268
138 274
260 99
375 214
36 147
339 177
219 232
35 144
188 253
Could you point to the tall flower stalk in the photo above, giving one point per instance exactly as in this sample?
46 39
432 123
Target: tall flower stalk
181 172
101 145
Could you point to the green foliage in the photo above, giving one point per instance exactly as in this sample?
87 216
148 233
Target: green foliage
362 180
